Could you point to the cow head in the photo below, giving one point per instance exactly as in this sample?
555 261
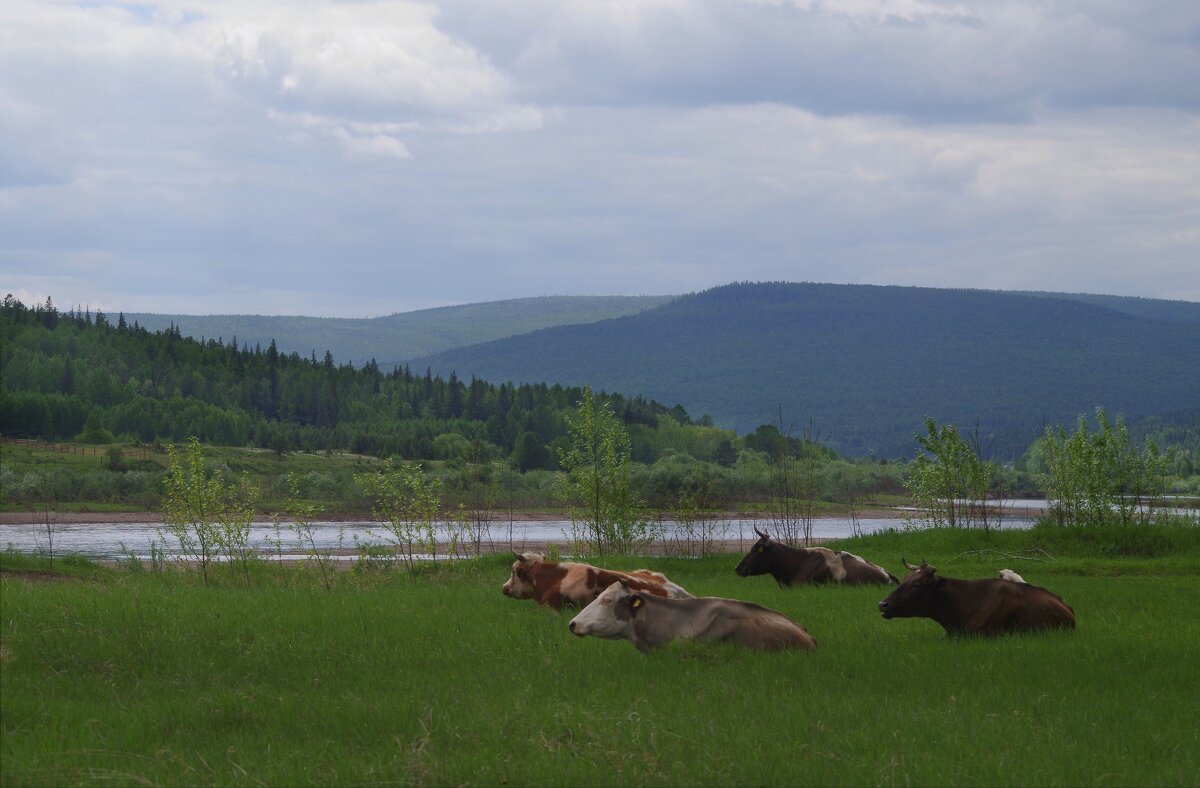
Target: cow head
757 561
611 615
520 583
916 594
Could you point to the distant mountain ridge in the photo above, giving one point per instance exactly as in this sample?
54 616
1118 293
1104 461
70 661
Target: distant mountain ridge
393 339
403 336
867 363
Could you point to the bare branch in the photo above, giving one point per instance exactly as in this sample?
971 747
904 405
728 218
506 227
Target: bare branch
1013 556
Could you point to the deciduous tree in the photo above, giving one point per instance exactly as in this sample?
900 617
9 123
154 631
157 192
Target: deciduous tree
606 514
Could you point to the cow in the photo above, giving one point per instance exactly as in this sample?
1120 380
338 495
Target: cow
1008 574
800 565
992 606
624 613
559 584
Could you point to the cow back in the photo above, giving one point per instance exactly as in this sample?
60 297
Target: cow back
583 583
1028 607
860 571
759 627
567 583
713 619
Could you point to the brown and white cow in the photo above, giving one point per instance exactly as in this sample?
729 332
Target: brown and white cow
568 583
991 606
624 613
800 565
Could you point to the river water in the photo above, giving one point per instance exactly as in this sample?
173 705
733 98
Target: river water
120 540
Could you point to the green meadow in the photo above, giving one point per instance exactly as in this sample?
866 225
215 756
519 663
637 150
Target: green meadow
112 676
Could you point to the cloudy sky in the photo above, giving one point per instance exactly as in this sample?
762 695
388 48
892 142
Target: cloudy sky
361 158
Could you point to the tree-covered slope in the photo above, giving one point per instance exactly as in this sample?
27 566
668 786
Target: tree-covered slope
867 363
68 375
396 338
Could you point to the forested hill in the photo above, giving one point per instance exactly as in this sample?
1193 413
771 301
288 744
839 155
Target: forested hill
865 363
71 376
394 339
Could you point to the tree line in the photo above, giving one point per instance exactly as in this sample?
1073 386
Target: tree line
80 375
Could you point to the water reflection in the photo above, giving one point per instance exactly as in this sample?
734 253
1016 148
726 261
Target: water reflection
119 540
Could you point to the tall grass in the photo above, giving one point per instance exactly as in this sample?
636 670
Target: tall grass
436 678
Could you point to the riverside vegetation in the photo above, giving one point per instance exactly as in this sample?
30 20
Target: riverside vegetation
130 675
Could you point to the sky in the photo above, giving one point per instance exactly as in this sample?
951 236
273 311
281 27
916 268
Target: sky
356 159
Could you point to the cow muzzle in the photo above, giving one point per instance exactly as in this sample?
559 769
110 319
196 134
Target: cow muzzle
884 608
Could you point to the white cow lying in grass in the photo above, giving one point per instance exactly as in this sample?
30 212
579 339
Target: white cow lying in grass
649 621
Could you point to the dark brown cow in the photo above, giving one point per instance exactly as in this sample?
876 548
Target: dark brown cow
800 565
558 584
622 613
992 606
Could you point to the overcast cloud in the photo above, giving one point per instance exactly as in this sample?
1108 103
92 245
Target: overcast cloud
361 158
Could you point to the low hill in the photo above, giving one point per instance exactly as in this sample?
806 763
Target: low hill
868 363
399 337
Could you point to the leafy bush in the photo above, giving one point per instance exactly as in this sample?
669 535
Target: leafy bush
1092 478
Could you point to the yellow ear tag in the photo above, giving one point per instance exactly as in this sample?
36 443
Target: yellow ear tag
760 549
637 602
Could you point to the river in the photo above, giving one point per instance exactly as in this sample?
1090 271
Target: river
107 541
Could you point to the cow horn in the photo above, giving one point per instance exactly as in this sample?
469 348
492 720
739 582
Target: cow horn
908 566
520 556
762 534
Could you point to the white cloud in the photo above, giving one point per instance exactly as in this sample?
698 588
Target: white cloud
363 57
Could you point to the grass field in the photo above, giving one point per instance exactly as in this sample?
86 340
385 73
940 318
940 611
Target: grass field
115 677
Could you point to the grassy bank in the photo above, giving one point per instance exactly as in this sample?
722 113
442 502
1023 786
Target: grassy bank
111 676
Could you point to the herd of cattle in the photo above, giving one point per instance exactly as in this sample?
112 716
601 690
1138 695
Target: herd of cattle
647 609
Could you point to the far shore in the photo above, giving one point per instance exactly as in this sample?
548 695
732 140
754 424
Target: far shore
85 518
